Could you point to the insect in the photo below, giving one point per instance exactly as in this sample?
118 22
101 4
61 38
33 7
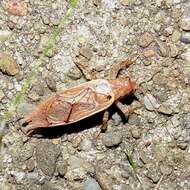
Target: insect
82 101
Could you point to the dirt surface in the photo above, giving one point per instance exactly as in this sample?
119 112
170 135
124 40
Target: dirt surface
99 34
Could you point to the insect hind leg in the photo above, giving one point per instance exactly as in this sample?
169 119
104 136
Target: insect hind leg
105 121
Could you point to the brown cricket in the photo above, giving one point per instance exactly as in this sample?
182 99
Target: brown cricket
82 101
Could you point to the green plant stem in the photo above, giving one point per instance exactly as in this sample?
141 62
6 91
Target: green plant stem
7 116
131 161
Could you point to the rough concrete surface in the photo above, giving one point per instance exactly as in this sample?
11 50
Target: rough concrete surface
100 33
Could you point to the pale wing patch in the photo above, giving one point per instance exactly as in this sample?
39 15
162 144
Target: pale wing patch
103 87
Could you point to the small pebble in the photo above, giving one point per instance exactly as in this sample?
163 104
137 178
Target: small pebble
149 53
134 120
46 157
8 65
74 73
51 84
163 50
25 152
173 50
182 145
75 162
150 102
112 139
86 144
86 52
185 38
34 176
165 169
19 176
153 173
104 180
76 141
185 23
91 184
145 40
165 110
176 35
144 157
169 30
135 132
62 169
34 96
5 35
186 56
125 2
117 119
37 87
78 168
30 165
54 21
45 19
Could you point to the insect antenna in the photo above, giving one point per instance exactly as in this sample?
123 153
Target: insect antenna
117 67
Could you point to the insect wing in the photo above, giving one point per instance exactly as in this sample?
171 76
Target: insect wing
76 104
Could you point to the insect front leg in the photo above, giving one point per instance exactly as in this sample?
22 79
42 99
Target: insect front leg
105 121
125 109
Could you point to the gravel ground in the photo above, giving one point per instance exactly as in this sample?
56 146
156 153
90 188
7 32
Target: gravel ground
100 33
